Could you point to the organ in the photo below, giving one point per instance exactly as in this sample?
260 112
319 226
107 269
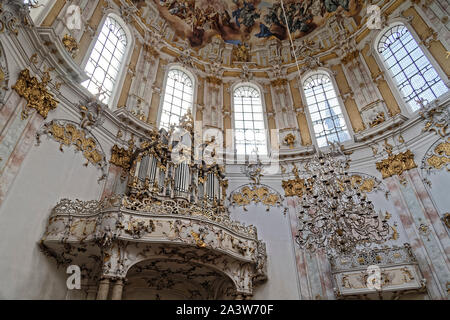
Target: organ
170 165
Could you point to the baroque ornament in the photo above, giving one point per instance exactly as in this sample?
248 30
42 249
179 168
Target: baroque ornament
121 157
440 157
67 134
70 44
35 93
247 194
290 140
378 119
436 118
396 164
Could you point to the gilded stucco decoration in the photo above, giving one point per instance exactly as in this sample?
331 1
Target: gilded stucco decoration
437 157
289 140
395 165
121 157
446 219
35 93
436 119
91 114
68 134
248 194
378 119
70 43
12 14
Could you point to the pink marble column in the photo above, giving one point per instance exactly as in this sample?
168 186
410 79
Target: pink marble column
21 149
431 213
417 245
307 291
12 106
9 112
112 176
326 276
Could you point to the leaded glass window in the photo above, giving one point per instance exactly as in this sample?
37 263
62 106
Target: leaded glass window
178 98
413 73
326 114
250 133
106 60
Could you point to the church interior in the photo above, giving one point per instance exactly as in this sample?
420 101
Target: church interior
224 149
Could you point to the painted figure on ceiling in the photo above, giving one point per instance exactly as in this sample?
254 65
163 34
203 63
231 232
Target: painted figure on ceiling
239 21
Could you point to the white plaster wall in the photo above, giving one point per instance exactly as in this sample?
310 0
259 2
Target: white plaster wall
440 186
274 230
46 176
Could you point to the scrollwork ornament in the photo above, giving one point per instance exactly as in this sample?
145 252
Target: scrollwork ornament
248 194
396 165
437 157
35 93
68 133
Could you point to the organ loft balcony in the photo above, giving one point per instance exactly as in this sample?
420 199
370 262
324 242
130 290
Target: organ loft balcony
169 231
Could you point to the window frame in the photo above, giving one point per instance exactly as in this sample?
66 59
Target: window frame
312 133
192 76
116 91
403 105
242 157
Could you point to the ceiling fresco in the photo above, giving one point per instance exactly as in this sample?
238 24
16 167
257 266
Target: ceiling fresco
247 21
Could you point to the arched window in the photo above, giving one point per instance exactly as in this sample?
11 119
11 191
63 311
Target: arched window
178 98
250 133
106 60
326 114
411 70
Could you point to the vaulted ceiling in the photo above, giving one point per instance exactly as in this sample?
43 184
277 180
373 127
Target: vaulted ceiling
247 21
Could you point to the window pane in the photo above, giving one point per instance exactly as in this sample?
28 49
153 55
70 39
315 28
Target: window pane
177 98
326 113
105 60
248 106
411 70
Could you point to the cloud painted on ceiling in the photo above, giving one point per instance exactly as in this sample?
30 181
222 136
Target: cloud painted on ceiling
248 21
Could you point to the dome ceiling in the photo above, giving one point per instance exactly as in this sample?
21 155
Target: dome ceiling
247 22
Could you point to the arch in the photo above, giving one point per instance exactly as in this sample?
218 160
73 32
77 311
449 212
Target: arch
108 59
179 95
327 118
253 123
410 67
229 272
154 264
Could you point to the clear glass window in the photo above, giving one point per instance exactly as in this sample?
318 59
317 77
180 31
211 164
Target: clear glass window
326 113
106 59
178 98
250 133
413 73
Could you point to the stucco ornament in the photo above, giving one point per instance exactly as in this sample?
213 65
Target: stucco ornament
396 164
35 93
68 133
